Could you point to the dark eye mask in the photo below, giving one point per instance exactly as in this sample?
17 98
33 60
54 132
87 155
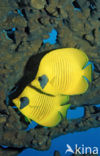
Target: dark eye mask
24 101
43 81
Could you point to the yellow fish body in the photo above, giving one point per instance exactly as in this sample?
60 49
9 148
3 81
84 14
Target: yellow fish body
64 71
45 109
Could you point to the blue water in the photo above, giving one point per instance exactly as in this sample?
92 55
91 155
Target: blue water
31 126
89 138
75 113
52 37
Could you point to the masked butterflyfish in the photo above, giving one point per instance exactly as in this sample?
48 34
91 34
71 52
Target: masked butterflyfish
45 109
65 71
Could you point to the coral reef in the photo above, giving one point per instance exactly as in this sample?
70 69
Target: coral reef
9 152
23 26
56 153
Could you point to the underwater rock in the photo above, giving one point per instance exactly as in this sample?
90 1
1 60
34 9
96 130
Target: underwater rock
90 38
39 4
56 153
2 119
6 7
40 138
51 8
65 40
13 120
19 21
97 36
9 152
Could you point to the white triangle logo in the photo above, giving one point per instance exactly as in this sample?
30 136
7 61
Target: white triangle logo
69 149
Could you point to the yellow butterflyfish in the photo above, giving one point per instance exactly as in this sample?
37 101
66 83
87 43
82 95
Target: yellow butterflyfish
45 109
65 71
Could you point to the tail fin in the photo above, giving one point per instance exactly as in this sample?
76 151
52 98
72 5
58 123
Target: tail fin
87 71
64 105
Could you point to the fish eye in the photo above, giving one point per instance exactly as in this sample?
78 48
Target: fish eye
24 101
43 81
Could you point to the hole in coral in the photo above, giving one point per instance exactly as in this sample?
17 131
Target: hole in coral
31 11
19 12
11 34
58 10
47 2
98 105
99 18
84 37
97 108
24 14
52 37
75 113
76 6
92 7
32 125
27 30
40 20
16 50
3 146
93 33
23 3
